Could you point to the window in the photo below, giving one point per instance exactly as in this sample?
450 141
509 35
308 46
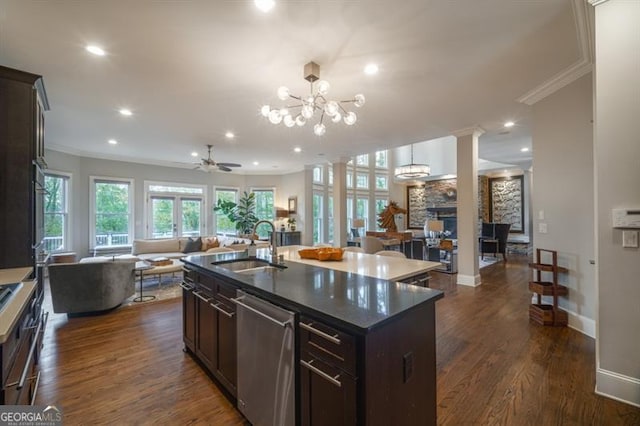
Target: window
317 218
174 209
317 174
362 210
381 159
349 179
56 212
362 160
382 182
223 225
380 206
330 174
112 212
330 218
349 213
265 209
362 181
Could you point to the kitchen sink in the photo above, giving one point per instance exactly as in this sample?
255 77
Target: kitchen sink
241 264
249 266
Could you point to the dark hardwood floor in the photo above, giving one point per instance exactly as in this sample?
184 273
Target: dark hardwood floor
494 366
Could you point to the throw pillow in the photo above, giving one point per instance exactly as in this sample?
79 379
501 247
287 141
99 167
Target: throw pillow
192 244
209 243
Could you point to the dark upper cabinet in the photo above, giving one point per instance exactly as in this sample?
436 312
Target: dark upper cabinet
22 105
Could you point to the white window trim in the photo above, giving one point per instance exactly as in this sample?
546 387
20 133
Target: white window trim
148 193
236 189
68 233
92 206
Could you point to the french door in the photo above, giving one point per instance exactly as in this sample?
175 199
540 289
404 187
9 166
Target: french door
174 216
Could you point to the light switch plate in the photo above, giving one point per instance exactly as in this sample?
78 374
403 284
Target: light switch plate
630 239
542 228
541 215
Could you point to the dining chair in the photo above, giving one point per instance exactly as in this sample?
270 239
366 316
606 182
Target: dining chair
354 249
390 253
371 245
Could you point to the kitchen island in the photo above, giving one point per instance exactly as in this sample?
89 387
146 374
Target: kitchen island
364 346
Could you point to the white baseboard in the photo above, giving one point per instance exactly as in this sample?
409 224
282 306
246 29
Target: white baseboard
618 386
582 324
578 322
469 280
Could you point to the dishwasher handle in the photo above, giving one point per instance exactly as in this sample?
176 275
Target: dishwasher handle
238 301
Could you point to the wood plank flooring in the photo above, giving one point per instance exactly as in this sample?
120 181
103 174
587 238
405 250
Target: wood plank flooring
493 365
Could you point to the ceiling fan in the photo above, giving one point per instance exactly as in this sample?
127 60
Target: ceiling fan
207 164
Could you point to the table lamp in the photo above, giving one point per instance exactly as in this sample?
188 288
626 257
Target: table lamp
434 228
358 223
282 214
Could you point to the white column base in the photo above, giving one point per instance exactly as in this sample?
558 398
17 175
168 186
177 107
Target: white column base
469 280
618 386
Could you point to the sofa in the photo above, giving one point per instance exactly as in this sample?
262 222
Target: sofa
173 248
81 288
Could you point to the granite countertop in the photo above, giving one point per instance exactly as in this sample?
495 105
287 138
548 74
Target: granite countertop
12 311
349 299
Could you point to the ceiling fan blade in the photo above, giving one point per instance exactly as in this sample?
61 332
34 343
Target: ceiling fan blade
229 164
223 168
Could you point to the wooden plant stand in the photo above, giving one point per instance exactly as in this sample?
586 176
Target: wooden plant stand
545 314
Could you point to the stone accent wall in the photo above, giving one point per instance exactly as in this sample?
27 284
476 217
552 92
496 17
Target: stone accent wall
441 193
506 201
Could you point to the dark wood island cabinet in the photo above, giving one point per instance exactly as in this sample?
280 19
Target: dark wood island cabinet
365 347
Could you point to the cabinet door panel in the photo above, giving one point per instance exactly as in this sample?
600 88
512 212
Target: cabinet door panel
325 402
227 352
207 330
189 319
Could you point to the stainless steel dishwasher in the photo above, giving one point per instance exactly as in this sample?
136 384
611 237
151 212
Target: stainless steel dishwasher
266 380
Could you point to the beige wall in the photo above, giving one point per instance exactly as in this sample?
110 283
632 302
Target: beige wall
617 153
563 193
81 168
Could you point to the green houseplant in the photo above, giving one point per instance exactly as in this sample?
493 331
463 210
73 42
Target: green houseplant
242 213
292 223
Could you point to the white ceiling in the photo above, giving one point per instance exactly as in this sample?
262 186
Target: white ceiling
191 70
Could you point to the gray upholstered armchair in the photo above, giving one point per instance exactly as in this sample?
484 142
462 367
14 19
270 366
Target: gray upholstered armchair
90 287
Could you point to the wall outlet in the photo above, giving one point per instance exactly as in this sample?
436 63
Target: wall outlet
542 228
630 239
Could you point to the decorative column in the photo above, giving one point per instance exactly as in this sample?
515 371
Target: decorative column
340 231
467 208
307 214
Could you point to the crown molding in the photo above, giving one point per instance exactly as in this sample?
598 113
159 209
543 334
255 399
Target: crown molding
467 131
597 2
582 14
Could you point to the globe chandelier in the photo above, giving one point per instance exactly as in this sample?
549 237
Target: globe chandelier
412 170
314 104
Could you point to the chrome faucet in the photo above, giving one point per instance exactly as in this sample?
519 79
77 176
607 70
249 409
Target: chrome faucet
272 244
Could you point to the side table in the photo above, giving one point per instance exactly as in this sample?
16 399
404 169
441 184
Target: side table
142 266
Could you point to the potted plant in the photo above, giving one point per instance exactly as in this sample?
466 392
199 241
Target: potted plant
242 213
291 222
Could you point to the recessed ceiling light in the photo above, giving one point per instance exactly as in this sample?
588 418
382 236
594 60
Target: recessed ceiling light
297 149
126 112
509 124
255 163
194 154
264 5
229 135
371 69
112 142
525 149
96 50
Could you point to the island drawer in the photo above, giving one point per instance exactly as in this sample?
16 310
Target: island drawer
325 342
190 276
